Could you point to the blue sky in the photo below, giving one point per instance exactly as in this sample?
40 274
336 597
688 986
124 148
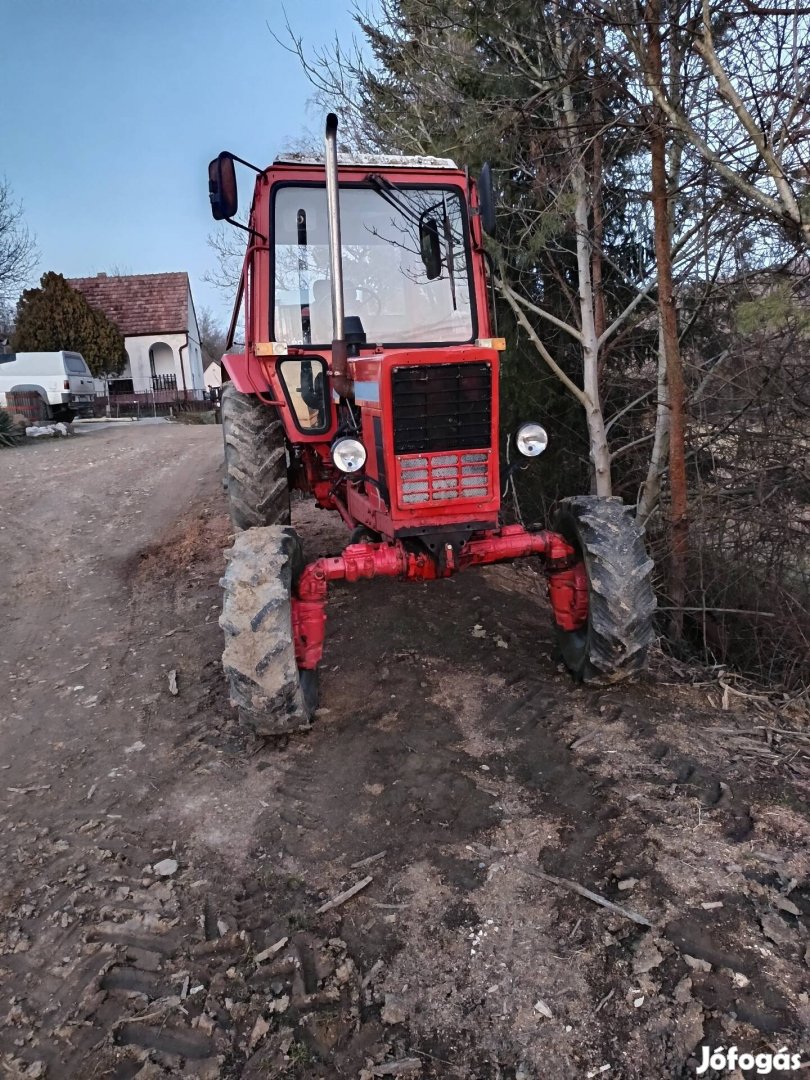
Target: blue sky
112 109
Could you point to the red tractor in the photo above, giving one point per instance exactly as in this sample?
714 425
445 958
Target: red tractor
369 378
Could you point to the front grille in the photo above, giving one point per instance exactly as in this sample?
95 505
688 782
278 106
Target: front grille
435 478
442 407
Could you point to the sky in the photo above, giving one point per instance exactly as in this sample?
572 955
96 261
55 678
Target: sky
112 109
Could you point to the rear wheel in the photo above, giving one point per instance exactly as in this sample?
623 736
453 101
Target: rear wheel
255 461
613 644
272 695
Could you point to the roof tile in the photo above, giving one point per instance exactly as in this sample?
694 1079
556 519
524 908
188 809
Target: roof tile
139 303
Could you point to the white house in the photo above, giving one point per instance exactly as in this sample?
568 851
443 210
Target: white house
155 313
213 373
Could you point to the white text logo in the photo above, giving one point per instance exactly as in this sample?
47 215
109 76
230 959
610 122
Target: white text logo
720 1059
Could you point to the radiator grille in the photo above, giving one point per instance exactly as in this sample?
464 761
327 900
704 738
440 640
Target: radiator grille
436 478
442 407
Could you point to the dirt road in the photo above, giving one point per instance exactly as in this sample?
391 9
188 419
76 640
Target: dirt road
452 762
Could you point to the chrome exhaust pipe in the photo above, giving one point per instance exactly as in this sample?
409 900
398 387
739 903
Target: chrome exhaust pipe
340 365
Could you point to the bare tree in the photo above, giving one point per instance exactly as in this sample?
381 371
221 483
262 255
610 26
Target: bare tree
212 336
748 117
18 251
668 322
228 247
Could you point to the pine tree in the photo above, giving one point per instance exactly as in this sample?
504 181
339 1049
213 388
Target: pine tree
56 316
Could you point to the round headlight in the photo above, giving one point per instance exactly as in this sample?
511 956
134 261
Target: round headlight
531 439
348 454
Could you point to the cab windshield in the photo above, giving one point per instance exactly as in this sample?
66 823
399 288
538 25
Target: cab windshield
405 265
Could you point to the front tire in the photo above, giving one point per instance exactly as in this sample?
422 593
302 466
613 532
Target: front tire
255 461
613 644
272 695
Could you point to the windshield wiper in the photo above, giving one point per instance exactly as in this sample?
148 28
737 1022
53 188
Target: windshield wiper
389 192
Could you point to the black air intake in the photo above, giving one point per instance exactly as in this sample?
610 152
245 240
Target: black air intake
442 407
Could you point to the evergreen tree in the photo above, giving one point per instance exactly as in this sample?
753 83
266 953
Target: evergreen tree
56 316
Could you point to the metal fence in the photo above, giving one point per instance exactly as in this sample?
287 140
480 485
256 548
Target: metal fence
164 382
165 402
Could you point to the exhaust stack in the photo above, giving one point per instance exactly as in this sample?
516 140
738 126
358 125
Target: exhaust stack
340 364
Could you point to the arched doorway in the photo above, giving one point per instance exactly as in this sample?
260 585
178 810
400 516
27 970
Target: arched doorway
162 367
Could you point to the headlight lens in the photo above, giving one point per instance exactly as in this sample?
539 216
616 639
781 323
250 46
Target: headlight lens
348 454
531 439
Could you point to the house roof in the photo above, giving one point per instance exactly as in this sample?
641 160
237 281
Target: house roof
139 303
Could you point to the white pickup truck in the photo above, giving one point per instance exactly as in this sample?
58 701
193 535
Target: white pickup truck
61 379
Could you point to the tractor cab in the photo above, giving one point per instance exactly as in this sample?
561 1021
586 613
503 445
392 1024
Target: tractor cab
406 253
368 321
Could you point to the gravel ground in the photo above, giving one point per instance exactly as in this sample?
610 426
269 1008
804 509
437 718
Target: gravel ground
162 871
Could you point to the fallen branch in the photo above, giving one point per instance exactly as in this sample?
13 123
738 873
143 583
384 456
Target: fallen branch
265 954
723 610
764 698
575 745
341 898
588 894
367 862
404 1067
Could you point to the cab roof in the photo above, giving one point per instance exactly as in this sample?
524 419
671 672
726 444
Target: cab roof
380 161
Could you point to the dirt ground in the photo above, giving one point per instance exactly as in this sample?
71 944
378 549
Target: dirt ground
452 762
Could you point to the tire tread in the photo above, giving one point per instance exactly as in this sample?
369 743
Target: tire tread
621 598
259 656
255 461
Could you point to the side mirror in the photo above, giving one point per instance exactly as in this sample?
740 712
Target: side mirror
486 199
222 187
430 247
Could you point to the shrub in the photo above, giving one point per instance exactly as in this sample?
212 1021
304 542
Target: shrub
11 432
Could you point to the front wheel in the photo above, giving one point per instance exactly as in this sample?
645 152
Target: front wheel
613 643
272 694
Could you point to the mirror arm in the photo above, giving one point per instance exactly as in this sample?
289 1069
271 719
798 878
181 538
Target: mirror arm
242 161
245 228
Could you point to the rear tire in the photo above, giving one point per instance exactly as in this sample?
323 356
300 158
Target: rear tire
272 695
255 461
613 644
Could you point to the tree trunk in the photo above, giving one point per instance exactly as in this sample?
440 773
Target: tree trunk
600 454
651 488
679 522
597 169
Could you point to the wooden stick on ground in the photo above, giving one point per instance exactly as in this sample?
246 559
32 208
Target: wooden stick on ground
367 862
265 954
347 894
582 891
